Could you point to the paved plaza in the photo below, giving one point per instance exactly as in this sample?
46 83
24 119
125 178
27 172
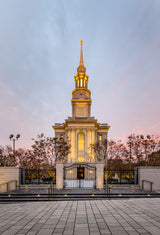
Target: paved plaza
121 216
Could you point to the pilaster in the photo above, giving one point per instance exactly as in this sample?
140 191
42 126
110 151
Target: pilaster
99 175
59 175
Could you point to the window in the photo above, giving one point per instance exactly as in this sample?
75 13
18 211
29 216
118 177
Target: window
80 141
100 137
81 83
80 159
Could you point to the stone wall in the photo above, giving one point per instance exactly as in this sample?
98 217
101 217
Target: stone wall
151 174
10 177
10 173
9 186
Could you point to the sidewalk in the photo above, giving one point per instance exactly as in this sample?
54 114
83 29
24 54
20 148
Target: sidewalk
117 217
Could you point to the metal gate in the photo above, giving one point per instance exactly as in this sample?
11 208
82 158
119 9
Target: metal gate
80 175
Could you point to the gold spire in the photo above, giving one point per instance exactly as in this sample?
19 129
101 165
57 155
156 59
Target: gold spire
81 67
81 55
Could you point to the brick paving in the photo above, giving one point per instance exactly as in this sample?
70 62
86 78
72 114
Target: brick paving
117 217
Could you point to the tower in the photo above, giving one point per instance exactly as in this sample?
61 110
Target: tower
81 96
81 129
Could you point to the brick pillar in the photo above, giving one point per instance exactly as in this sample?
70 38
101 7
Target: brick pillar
59 175
99 175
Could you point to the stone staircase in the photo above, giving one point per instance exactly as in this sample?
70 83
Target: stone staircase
43 193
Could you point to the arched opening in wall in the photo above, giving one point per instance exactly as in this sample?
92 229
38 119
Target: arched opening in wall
81 144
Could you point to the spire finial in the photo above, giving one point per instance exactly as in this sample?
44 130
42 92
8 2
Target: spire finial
81 55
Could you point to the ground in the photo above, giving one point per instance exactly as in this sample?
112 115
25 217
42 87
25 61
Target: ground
119 217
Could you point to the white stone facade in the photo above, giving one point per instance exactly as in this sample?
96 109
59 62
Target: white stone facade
10 178
9 173
81 129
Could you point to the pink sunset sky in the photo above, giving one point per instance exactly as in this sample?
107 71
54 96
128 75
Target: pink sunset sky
39 55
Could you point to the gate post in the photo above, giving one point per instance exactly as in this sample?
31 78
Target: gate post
59 175
99 175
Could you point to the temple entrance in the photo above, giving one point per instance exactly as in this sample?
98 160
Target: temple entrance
81 175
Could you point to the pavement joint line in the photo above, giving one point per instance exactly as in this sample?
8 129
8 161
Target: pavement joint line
87 217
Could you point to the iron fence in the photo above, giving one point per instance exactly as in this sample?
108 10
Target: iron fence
39 176
120 176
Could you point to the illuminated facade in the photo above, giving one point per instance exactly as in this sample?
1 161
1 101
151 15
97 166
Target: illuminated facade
81 129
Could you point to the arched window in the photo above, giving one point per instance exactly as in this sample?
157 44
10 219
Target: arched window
100 137
81 141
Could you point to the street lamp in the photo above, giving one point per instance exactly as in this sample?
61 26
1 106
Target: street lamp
130 145
145 144
14 140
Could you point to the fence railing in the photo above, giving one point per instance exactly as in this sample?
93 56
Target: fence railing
8 186
40 176
112 176
79 183
51 191
148 182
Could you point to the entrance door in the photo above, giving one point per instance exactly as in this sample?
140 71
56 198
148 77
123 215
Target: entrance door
80 173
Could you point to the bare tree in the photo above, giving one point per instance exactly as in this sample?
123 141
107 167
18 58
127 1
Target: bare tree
97 148
62 148
154 159
40 151
6 157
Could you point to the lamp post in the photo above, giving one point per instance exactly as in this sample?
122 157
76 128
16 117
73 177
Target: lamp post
145 144
130 145
130 155
14 140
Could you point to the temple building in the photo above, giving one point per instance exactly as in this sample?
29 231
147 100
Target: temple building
82 129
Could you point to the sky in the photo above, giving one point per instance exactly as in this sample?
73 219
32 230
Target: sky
39 56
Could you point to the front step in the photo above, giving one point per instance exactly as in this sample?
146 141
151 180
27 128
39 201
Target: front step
59 197
46 186
40 193
24 187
